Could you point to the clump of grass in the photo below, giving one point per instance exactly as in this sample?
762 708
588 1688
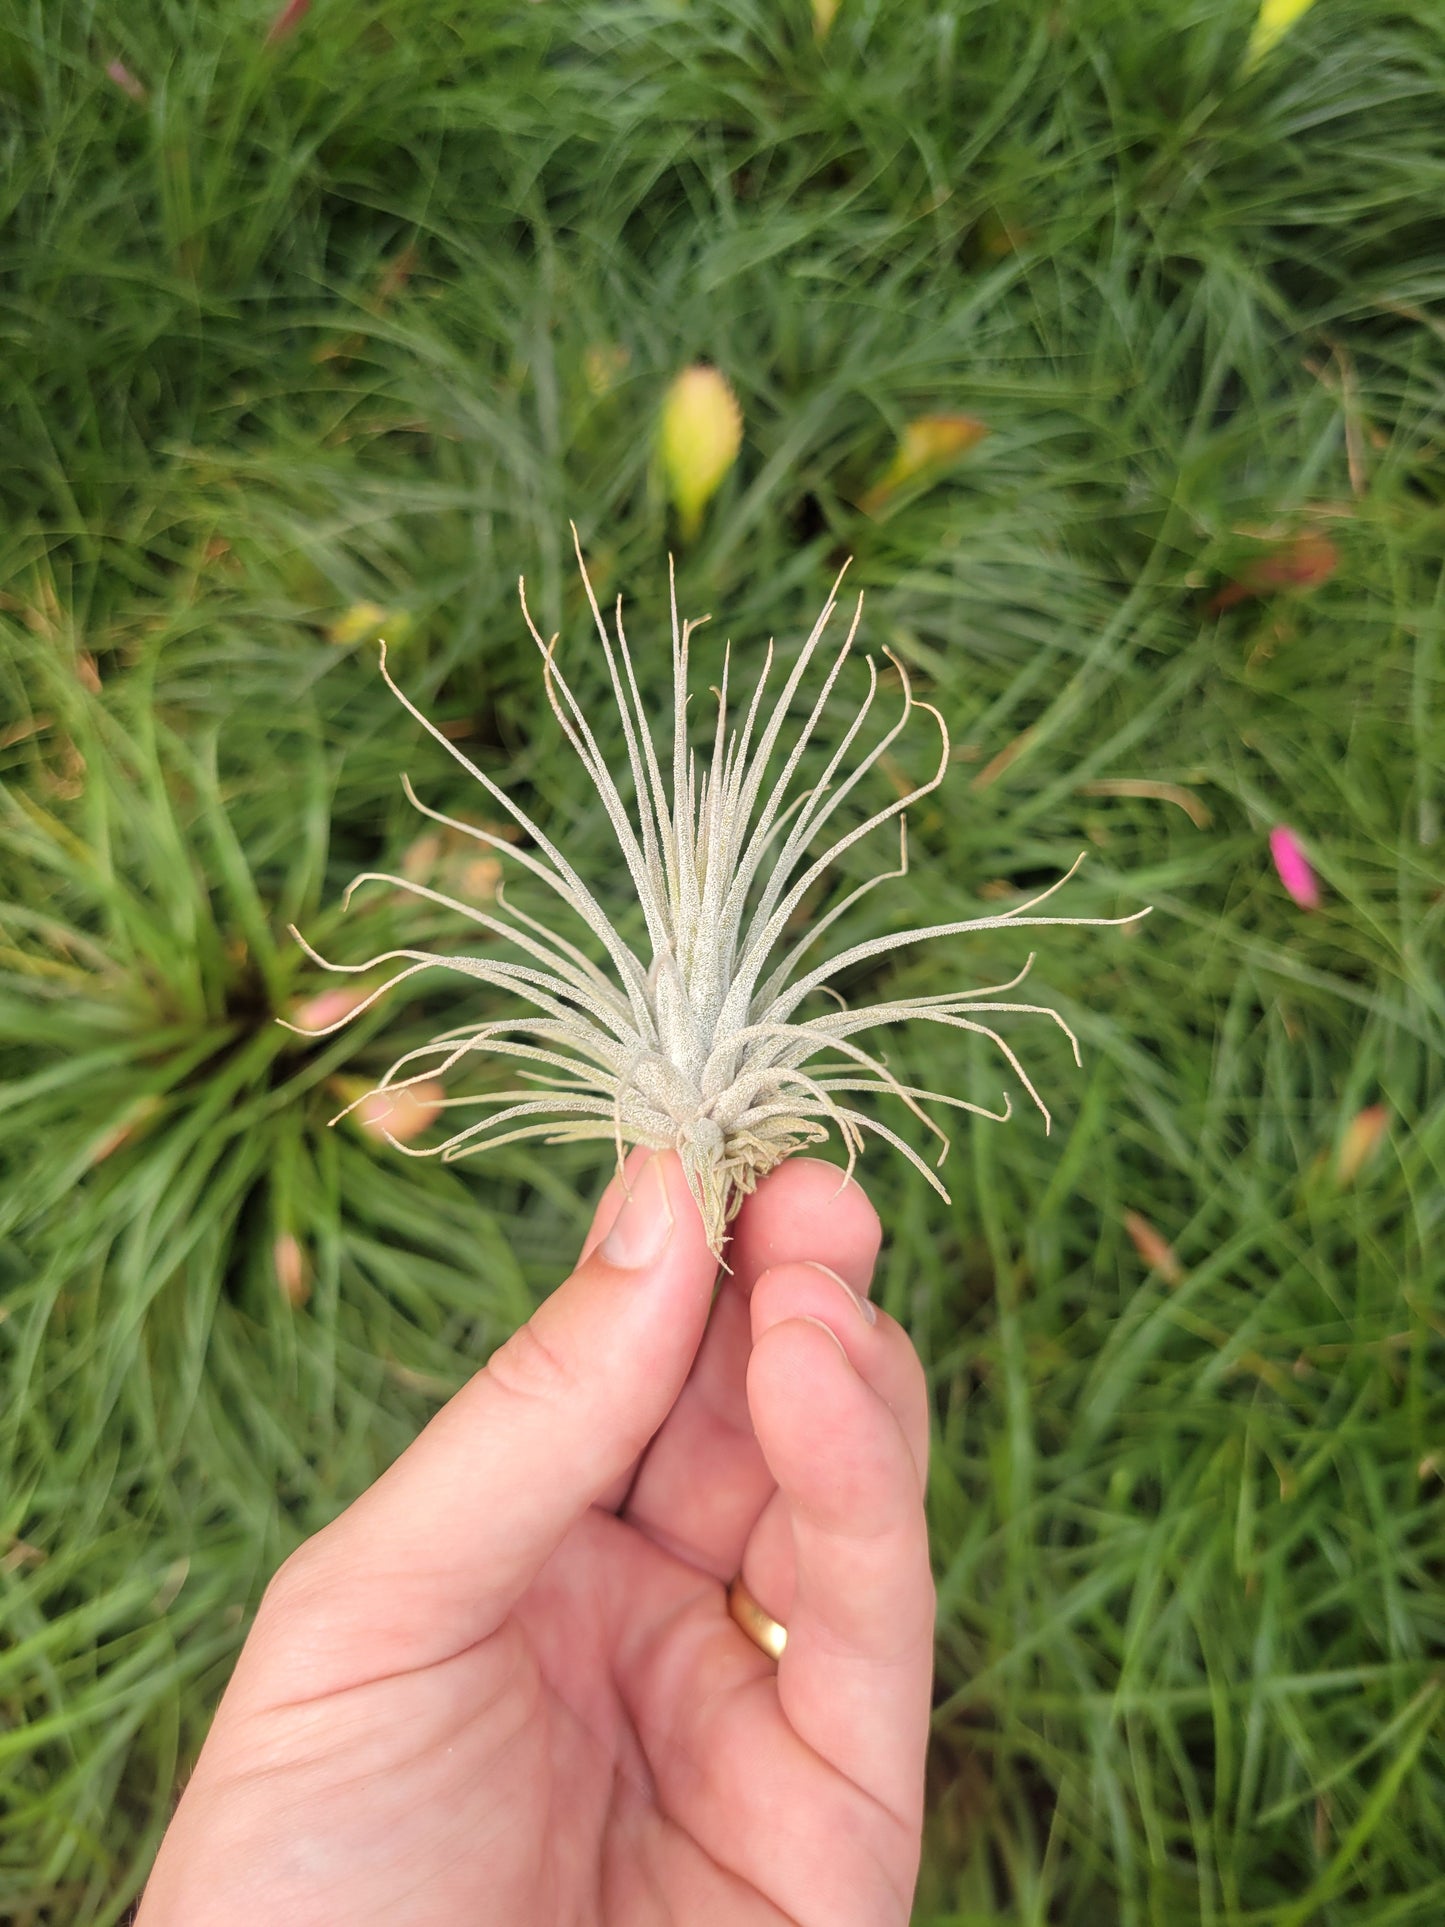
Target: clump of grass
357 319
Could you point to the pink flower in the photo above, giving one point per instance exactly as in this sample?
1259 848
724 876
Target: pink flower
328 1007
287 21
1153 1248
125 1128
1360 1142
121 76
1301 563
402 1111
293 1274
1294 867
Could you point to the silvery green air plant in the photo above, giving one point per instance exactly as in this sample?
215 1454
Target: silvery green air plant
726 1041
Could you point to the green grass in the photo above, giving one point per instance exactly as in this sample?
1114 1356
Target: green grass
312 325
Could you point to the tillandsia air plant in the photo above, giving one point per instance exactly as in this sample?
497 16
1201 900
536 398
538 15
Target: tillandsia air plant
703 1047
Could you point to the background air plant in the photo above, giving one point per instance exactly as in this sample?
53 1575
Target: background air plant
703 1048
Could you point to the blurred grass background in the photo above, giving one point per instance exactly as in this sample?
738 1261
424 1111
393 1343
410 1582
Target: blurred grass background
356 304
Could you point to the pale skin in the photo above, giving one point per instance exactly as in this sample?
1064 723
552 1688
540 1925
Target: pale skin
504 1686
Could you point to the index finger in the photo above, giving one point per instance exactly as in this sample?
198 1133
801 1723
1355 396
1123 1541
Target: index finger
703 1481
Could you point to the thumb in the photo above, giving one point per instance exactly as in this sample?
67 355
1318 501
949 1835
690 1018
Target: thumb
432 1557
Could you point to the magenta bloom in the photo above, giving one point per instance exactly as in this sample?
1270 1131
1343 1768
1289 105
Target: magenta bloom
1294 867
121 76
287 21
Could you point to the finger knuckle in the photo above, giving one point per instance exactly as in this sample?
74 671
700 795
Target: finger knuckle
295 1586
532 1370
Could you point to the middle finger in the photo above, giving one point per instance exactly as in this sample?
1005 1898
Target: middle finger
703 1481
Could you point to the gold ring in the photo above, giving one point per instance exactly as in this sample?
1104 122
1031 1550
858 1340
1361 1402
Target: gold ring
761 1628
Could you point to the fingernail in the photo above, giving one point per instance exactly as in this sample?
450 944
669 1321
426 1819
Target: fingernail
825 1328
644 1224
862 1304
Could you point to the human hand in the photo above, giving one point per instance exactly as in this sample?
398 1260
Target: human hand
504 1685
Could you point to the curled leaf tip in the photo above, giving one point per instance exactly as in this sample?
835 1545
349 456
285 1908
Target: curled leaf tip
400 1113
328 1008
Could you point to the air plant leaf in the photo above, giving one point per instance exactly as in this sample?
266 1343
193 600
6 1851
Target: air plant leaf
395 1113
710 1044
